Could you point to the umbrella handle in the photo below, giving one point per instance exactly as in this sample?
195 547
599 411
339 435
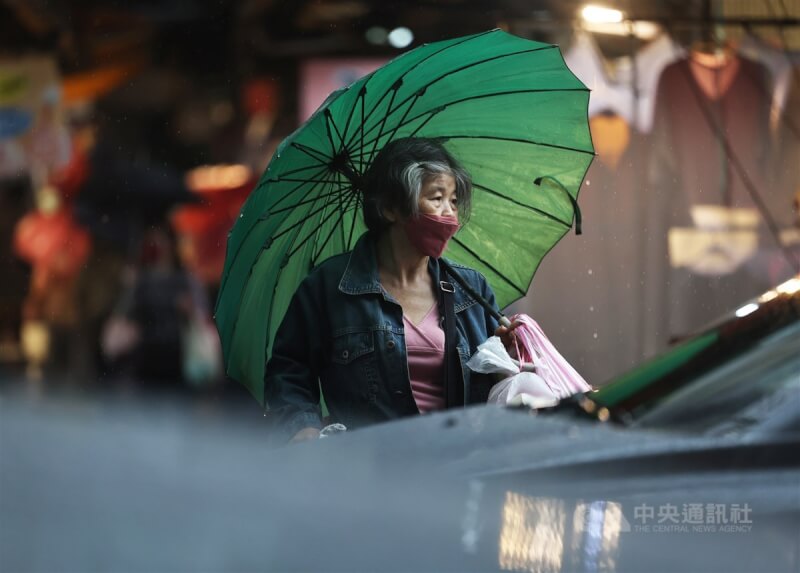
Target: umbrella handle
499 316
575 208
503 320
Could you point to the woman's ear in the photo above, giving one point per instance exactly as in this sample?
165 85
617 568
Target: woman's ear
390 215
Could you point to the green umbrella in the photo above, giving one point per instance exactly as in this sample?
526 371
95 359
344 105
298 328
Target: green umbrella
508 108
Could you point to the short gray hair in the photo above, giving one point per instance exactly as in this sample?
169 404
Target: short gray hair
398 173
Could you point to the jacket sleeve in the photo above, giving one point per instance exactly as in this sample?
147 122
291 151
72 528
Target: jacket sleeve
481 384
291 379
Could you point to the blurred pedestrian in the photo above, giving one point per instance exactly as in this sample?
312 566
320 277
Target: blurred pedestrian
164 298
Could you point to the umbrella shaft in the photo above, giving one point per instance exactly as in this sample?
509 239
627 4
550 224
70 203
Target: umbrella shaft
501 318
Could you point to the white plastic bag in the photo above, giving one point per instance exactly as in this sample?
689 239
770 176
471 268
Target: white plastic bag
523 388
492 358
518 387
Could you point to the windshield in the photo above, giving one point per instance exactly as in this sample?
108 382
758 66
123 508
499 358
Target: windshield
760 386
737 376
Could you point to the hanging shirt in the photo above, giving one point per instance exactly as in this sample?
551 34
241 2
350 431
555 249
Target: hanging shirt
696 198
425 350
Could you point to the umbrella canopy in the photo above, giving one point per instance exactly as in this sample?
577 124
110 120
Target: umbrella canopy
508 108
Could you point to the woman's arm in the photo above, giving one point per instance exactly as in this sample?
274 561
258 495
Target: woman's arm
291 379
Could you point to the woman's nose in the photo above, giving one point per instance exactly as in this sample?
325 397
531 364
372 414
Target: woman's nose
449 210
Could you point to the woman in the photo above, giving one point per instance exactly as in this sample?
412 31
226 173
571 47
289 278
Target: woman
367 325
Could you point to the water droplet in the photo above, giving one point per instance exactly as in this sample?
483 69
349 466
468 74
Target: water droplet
591 309
594 335
590 271
588 182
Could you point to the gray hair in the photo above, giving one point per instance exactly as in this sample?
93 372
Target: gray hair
414 176
398 173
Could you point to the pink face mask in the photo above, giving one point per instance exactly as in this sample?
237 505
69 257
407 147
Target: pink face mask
429 233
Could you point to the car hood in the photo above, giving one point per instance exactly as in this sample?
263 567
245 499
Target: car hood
129 488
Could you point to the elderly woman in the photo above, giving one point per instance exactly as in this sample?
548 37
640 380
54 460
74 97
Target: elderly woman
368 326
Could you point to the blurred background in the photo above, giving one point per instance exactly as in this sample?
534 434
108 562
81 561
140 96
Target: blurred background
131 134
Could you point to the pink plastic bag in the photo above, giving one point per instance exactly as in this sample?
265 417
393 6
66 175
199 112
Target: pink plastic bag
535 348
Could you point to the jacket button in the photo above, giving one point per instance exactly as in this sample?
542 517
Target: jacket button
390 344
345 354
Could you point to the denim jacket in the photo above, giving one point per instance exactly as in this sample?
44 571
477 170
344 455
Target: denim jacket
344 333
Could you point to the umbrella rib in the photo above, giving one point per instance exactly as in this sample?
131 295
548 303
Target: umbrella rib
344 237
353 222
402 119
521 204
305 168
308 151
292 180
406 72
337 198
296 248
431 115
363 121
333 230
423 89
304 202
518 140
361 93
322 169
336 152
303 221
328 123
382 124
329 119
472 65
368 115
489 266
340 226
441 108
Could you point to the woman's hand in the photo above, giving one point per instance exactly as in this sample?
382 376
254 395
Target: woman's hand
305 434
506 334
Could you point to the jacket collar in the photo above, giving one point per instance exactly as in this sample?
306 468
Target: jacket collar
361 274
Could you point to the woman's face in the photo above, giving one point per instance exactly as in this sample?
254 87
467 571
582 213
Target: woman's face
438 196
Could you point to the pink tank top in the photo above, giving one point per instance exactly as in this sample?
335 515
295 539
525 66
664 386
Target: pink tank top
425 348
